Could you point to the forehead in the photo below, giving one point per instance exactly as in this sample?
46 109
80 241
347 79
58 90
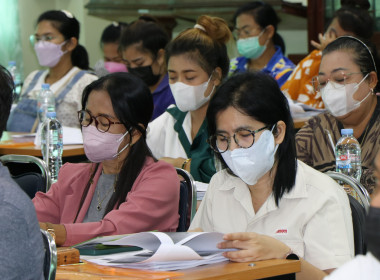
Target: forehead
183 62
99 102
343 59
231 119
46 26
135 51
246 20
111 48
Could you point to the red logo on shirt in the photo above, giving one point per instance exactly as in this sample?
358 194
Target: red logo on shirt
282 231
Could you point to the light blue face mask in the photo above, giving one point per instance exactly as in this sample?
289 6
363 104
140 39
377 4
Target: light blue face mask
250 47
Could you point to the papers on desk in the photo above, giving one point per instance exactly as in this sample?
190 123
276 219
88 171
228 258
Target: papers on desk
71 136
201 189
165 251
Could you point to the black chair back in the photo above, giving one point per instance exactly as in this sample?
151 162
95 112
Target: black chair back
358 221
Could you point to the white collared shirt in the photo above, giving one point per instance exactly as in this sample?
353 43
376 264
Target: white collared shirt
314 218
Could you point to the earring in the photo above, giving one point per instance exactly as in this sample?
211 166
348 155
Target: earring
372 92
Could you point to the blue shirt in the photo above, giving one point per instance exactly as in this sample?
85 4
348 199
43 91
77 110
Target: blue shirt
162 97
279 66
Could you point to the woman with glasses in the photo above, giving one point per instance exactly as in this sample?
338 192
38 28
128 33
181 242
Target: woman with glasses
347 82
123 189
269 204
261 47
57 48
197 62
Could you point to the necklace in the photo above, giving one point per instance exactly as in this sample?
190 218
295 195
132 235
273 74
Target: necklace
100 201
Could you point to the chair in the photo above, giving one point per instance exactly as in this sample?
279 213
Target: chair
50 261
36 179
358 210
187 200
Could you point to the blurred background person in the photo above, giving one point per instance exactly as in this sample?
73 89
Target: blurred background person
109 43
143 50
197 63
352 19
56 45
261 47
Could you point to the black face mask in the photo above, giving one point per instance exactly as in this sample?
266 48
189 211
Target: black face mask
145 73
373 231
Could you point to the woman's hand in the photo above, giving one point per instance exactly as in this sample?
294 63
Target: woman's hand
59 232
324 40
253 247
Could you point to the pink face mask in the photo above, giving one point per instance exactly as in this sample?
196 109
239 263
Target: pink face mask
113 67
48 54
100 146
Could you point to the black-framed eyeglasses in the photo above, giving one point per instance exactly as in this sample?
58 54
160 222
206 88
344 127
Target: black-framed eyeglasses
243 137
102 123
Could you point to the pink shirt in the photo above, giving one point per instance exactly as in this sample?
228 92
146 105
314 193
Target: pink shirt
152 203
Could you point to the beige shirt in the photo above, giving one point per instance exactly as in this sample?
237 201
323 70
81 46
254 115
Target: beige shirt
314 218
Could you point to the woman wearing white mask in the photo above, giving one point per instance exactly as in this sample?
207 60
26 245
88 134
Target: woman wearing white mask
269 204
124 189
347 82
56 45
197 62
261 47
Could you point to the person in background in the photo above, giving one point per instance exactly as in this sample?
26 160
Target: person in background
269 204
197 63
123 189
261 47
347 81
109 43
143 50
353 20
21 245
56 45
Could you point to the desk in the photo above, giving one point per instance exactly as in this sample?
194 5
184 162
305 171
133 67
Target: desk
220 271
6 147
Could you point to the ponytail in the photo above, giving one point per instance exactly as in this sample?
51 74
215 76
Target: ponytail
79 58
278 41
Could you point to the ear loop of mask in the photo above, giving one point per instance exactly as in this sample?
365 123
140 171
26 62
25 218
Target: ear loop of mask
126 146
369 93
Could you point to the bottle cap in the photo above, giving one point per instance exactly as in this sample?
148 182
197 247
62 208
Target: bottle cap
12 63
45 86
51 115
347 131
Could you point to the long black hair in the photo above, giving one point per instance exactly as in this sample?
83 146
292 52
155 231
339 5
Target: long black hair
257 95
112 33
132 103
264 15
6 97
69 27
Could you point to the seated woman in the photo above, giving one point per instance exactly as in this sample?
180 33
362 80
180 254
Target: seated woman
197 62
142 45
109 43
56 45
267 202
261 47
347 81
348 20
124 189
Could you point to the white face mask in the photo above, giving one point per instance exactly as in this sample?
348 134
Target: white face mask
339 100
190 98
254 162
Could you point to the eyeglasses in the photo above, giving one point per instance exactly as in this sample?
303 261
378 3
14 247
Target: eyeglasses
102 123
245 31
339 79
244 138
35 38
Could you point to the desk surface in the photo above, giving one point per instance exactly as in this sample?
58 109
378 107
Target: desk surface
8 147
220 271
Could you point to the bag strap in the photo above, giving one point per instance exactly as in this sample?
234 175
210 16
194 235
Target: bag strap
33 83
69 86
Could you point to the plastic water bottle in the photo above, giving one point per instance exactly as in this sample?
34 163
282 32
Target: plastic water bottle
45 102
12 68
52 144
348 156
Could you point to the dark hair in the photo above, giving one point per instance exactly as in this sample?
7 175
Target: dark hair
355 20
112 33
207 47
6 97
69 27
364 55
132 103
152 36
264 15
257 95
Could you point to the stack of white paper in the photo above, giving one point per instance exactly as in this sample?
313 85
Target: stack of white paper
166 251
201 189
